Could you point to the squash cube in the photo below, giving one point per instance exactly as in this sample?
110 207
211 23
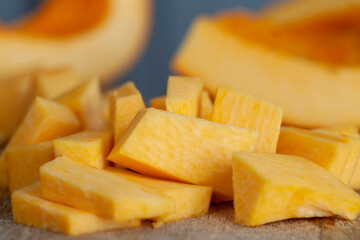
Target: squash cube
158 102
206 105
24 163
242 110
16 96
44 121
86 103
190 200
348 135
335 153
30 209
124 103
87 147
178 147
54 83
101 192
183 95
271 187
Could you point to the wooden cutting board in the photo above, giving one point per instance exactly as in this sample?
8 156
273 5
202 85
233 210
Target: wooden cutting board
218 224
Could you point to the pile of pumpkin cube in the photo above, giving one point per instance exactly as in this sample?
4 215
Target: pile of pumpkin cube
83 162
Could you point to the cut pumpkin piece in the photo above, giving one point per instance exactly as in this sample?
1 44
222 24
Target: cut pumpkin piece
91 30
243 53
86 103
206 105
24 163
183 95
124 104
30 209
158 102
52 84
271 187
190 200
16 96
177 147
87 147
101 192
337 154
348 136
242 110
43 116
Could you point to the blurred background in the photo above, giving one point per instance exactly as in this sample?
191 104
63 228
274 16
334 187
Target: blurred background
170 22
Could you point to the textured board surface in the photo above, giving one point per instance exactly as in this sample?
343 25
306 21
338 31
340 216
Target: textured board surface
218 224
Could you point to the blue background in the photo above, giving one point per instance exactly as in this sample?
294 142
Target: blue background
171 20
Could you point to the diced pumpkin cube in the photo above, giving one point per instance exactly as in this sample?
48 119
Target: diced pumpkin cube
328 151
16 96
124 102
158 102
242 110
183 95
206 105
24 163
30 209
54 83
271 187
177 147
86 103
353 141
87 147
44 121
190 200
101 192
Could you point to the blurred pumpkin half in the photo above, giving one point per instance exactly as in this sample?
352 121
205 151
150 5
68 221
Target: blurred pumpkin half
301 55
92 37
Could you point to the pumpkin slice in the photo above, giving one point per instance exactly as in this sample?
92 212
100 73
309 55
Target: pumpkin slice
86 103
206 107
87 147
271 187
16 96
124 104
42 116
178 147
183 95
190 200
158 102
101 192
92 37
30 209
242 110
52 84
24 163
299 69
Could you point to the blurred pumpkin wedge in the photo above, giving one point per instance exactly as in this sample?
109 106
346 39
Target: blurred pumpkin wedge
303 56
93 37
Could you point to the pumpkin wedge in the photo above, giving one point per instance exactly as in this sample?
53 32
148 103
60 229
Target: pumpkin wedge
94 39
311 73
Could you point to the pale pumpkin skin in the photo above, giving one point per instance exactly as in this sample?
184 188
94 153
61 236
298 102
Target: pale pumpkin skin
105 42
